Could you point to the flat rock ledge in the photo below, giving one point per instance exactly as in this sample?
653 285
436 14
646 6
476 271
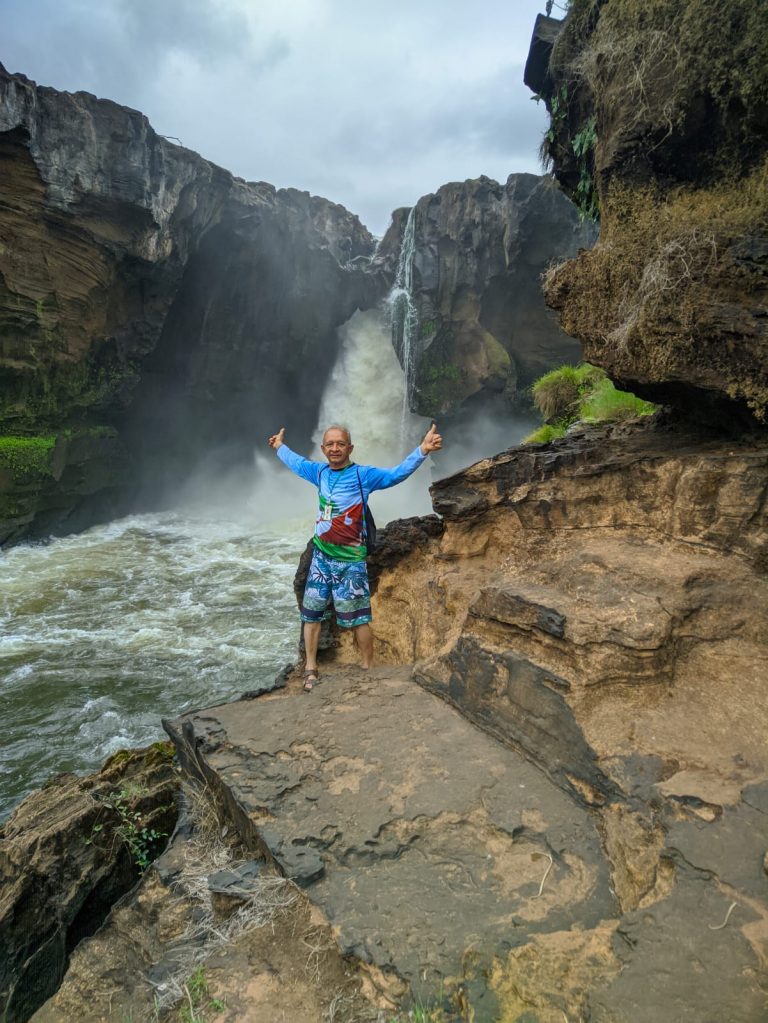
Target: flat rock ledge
430 847
444 859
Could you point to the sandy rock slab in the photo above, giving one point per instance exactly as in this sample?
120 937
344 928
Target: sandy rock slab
429 847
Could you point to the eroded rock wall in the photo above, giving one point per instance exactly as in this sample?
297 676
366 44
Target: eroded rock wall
480 248
146 298
659 122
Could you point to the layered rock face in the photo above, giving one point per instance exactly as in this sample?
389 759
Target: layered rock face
598 604
482 333
67 854
125 258
659 122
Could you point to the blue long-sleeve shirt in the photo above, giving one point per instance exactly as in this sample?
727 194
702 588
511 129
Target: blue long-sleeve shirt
343 493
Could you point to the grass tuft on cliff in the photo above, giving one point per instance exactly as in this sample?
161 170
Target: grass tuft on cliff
580 394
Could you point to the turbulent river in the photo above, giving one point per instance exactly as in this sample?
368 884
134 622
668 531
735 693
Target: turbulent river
101 634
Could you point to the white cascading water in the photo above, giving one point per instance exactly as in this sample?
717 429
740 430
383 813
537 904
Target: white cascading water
366 393
403 312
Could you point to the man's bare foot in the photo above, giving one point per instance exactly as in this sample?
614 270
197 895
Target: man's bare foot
310 678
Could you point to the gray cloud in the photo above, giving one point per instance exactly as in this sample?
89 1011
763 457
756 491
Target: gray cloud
369 104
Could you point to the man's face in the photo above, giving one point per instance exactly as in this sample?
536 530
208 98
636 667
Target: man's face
336 448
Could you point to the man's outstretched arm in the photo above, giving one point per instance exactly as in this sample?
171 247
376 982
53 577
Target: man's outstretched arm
309 471
381 479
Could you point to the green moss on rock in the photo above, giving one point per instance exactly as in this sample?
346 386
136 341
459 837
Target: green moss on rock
26 458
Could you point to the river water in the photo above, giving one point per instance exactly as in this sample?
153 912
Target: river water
103 633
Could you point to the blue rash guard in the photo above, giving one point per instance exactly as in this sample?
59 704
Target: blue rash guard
340 532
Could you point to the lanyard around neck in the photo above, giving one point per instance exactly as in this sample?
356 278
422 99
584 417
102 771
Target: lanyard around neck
334 477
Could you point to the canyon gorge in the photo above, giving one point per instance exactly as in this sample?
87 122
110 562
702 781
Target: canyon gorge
549 799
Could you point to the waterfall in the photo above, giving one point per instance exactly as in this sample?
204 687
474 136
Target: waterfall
366 393
403 312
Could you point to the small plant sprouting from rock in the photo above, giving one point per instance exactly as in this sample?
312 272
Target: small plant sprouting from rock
558 112
199 1005
141 840
420 1014
580 394
583 145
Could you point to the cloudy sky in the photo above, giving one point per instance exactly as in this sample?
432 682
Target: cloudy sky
370 104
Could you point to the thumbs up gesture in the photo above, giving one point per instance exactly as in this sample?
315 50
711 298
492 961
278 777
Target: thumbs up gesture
432 441
276 440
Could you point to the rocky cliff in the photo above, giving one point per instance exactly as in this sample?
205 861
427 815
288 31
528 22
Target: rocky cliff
482 333
659 124
152 306
599 606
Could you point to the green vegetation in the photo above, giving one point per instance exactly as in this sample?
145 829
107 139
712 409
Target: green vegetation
26 457
161 752
583 145
199 1005
582 142
580 394
545 434
445 371
558 394
606 404
141 841
439 386
558 112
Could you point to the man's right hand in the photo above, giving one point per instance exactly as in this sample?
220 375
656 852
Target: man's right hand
276 440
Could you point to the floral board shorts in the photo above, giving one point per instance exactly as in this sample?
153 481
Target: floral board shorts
343 582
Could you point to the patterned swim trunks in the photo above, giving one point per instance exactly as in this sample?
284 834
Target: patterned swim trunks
344 582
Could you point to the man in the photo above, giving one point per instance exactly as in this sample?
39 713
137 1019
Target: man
338 570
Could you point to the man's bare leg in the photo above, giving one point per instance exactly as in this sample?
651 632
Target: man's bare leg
364 638
311 640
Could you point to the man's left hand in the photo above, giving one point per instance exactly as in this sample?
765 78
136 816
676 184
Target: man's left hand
432 441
